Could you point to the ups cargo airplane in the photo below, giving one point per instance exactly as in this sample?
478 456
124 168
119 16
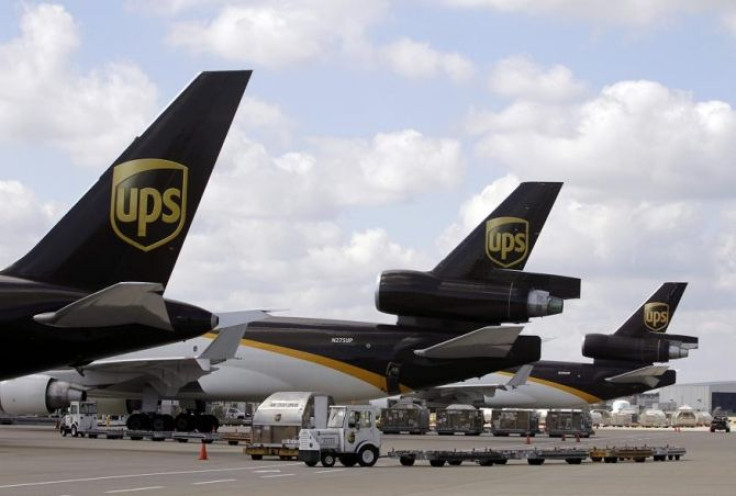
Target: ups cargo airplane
92 287
623 364
447 330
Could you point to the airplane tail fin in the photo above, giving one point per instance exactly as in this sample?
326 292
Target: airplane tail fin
506 238
655 314
130 226
642 339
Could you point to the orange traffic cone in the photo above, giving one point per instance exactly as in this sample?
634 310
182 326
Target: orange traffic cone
203 452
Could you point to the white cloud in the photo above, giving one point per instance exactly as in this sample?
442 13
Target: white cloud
280 34
635 12
417 60
333 173
92 117
23 216
637 138
519 77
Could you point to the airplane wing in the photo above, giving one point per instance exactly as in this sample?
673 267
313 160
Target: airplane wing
486 342
473 393
167 375
645 375
117 305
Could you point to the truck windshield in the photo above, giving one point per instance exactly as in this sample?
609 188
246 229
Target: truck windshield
337 417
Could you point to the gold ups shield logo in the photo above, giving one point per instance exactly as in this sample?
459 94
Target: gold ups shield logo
657 316
148 202
507 240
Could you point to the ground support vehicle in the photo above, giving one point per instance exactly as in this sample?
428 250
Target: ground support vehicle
571 423
279 419
137 435
514 421
637 453
486 458
405 417
351 437
459 419
720 423
81 418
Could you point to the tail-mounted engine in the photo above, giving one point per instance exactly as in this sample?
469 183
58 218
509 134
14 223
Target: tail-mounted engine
506 296
649 349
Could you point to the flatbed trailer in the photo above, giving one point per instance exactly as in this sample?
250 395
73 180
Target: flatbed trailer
637 453
486 458
136 435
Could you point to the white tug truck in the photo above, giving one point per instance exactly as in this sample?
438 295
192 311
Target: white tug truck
82 417
351 437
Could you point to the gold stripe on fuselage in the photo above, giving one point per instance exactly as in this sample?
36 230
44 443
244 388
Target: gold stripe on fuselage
588 398
376 380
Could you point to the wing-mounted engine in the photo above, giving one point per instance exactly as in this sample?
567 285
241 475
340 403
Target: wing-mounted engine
504 296
37 395
657 348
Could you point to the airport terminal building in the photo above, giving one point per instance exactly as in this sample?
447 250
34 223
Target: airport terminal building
705 396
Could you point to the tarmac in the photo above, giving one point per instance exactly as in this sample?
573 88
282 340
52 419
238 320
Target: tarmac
37 461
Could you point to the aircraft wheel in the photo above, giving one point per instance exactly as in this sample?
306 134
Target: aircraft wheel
348 460
367 456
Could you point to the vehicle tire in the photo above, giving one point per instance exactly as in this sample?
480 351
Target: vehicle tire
437 463
256 457
93 436
75 431
232 443
487 463
677 457
367 456
501 462
310 464
328 459
182 439
640 459
535 461
596 458
137 422
712 429
63 431
455 463
184 422
574 461
158 423
407 461
348 460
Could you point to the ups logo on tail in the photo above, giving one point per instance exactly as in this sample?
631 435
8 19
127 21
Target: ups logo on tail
657 316
507 240
148 202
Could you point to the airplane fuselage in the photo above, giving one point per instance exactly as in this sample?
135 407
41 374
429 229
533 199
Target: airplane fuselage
554 384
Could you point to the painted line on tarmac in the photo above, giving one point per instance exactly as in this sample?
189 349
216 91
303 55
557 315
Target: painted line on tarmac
128 476
278 475
217 481
133 490
330 471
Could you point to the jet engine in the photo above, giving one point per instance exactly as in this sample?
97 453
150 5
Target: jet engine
37 395
649 350
501 299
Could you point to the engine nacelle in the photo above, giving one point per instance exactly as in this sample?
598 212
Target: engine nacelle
605 347
422 294
37 395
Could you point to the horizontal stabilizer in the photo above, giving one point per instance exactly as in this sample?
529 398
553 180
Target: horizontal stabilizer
486 342
227 341
520 377
645 375
121 304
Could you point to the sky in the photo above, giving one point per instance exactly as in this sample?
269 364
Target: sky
376 135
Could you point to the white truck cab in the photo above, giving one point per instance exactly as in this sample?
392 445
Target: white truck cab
81 417
351 437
